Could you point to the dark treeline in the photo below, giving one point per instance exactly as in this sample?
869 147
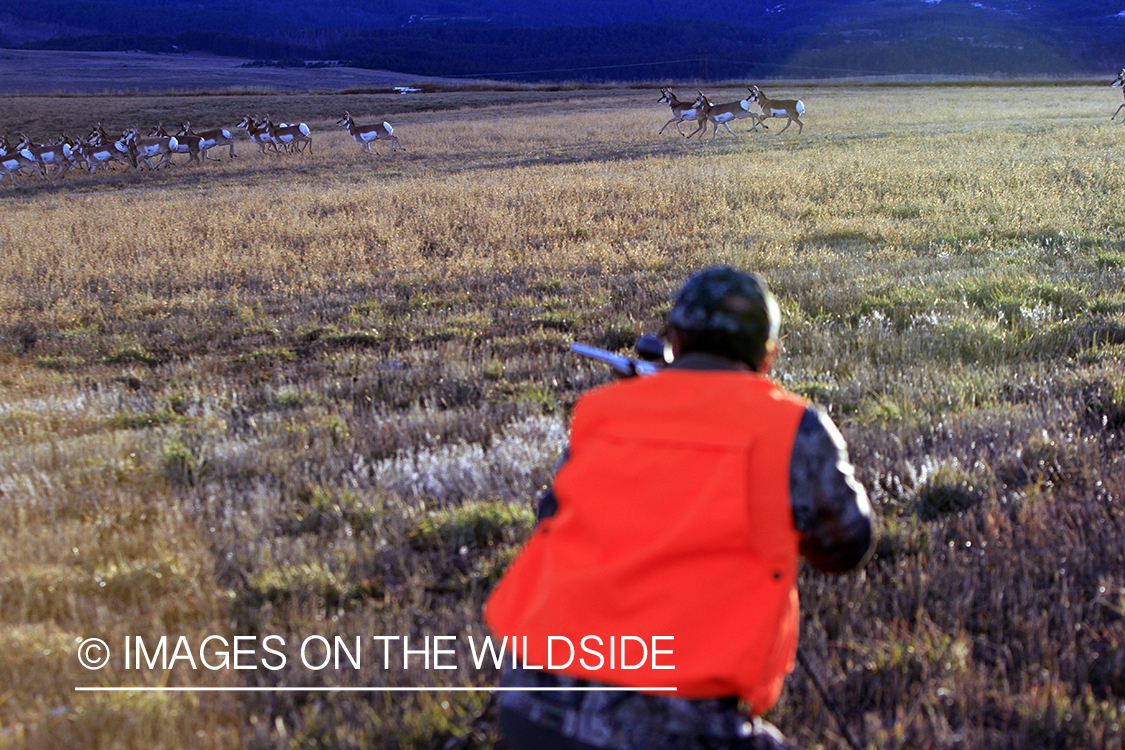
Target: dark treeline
952 38
667 49
616 52
620 52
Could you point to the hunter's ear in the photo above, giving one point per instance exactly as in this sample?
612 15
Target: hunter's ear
671 334
768 361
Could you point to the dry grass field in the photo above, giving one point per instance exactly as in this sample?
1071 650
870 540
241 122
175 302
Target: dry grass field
315 394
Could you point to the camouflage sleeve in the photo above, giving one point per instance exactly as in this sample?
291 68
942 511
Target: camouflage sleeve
546 505
830 508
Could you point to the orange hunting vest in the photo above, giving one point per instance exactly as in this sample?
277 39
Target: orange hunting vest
674 519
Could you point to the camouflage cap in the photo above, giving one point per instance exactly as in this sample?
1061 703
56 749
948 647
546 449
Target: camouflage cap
724 300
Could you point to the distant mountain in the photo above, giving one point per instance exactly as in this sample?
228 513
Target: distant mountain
604 39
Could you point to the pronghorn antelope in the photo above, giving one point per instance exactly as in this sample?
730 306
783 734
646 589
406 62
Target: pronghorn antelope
722 114
103 153
258 133
1119 82
77 158
16 160
265 133
55 154
179 144
290 136
12 161
210 139
98 136
791 108
146 148
682 112
100 148
364 134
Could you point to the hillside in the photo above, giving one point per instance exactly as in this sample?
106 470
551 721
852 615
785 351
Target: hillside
584 40
45 72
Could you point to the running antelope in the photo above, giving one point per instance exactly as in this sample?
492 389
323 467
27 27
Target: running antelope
791 108
55 154
211 139
258 133
179 144
290 136
102 150
17 160
1119 82
146 148
103 153
682 112
98 136
364 134
77 158
722 114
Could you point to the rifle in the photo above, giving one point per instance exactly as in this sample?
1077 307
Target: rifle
653 353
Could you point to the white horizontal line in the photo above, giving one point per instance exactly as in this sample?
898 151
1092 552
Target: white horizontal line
363 689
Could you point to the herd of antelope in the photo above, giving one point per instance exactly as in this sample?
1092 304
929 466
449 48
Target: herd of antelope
99 150
131 150
702 111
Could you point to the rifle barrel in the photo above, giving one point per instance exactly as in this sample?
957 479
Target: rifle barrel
621 364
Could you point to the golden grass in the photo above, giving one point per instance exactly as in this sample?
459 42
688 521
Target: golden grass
315 393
